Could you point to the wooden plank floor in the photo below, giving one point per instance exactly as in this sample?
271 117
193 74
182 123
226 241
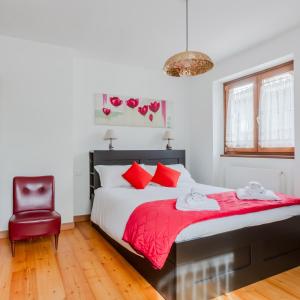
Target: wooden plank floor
87 267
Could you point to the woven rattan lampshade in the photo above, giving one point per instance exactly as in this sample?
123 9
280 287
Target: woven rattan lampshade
188 63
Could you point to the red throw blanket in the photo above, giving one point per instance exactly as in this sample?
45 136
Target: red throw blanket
153 226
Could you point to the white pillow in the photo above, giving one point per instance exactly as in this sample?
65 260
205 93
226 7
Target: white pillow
111 176
150 168
185 176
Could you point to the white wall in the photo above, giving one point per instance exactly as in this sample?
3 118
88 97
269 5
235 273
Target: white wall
207 116
35 119
92 77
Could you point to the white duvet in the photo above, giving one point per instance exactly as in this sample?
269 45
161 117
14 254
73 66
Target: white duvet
113 206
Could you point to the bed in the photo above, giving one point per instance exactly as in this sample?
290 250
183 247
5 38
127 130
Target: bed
208 258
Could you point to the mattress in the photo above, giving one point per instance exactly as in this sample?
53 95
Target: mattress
113 206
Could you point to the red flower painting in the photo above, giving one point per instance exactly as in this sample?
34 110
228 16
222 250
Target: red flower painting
154 106
132 103
115 101
118 110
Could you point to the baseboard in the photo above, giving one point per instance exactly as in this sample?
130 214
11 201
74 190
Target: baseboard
67 226
3 234
82 218
64 226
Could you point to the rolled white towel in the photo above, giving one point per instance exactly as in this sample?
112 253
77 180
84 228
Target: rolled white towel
255 191
255 186
196 201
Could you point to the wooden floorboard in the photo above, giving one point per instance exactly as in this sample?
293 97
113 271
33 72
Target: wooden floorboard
87 267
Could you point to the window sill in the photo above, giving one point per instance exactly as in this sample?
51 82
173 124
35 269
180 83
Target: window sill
277 156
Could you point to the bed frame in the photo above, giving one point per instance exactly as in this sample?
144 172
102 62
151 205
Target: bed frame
207 267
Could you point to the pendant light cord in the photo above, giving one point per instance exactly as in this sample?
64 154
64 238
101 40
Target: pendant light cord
187 24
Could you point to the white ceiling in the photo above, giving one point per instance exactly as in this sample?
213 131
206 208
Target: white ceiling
146 33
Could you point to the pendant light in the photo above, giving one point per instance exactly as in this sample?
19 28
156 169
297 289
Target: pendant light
188 63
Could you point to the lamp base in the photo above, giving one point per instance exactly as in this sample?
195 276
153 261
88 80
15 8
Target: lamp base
110 146
168 147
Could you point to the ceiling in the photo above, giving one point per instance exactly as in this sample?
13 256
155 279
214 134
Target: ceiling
146 33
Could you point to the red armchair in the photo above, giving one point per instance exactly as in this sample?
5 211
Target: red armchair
33 210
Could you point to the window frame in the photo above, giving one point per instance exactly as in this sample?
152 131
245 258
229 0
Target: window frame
256 79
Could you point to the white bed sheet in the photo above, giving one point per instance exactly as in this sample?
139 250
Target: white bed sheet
113 206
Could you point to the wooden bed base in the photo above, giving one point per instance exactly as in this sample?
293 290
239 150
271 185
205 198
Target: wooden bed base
207 267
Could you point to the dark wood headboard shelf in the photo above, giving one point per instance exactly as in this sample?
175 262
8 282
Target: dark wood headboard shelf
127 157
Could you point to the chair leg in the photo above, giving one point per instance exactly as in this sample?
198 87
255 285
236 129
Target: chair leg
13 248
56 240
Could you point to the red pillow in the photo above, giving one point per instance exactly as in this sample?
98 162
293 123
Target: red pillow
165 176
137 176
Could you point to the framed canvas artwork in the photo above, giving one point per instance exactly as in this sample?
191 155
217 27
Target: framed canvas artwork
131 111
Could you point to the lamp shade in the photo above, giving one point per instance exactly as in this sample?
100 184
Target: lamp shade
110 135
168 135
188 63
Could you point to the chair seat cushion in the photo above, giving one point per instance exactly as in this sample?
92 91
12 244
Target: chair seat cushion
27 224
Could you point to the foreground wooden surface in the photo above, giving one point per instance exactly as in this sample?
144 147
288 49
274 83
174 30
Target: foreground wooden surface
285 286
86 267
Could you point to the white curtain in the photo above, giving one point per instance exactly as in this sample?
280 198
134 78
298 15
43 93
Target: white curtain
276 111
239 119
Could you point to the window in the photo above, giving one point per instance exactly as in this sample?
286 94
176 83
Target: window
259 113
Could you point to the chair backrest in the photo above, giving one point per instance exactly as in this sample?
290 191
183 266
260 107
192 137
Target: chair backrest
33 193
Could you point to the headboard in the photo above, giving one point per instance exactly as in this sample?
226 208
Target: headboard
127 157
